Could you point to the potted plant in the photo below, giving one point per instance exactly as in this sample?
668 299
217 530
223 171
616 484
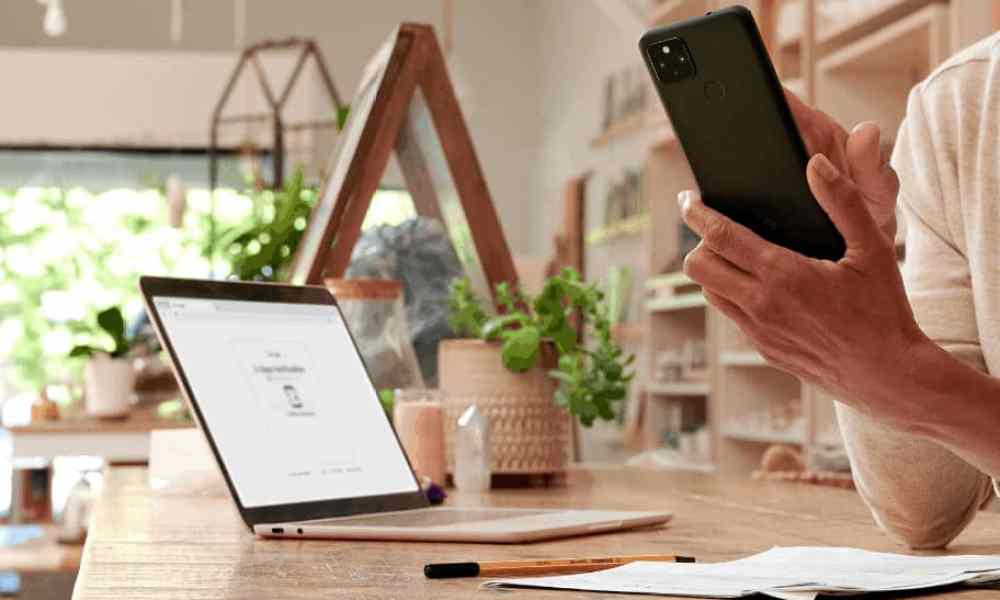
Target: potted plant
108 375
527 370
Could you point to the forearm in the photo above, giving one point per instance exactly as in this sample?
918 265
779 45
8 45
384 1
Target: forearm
961 405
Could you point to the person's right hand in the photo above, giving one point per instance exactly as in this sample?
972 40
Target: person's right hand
857 154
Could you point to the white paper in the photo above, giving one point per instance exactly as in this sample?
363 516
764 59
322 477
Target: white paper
796 573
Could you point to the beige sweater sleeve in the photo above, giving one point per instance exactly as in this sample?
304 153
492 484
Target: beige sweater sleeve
920 493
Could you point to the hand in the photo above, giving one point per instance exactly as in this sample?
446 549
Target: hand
858 154
843 325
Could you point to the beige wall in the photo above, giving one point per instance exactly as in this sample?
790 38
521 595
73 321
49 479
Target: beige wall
580 48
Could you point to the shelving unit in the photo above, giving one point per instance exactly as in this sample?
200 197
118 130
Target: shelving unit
623 128
681 302
679 388
870 77
761 437
675 10
625 228
741 358
859 68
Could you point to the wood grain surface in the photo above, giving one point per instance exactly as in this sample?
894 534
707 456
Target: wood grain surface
144 545
142 419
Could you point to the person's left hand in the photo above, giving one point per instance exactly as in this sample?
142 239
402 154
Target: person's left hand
836 324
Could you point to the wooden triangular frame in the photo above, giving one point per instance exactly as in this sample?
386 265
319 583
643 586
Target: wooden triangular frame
405 96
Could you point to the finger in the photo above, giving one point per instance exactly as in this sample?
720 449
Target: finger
718 275
816 128
870 170
844 204
731 310
725 237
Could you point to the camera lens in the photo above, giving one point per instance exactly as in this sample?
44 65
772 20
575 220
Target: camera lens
671 60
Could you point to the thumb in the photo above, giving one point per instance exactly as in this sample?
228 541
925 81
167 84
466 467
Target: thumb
869 169
844 204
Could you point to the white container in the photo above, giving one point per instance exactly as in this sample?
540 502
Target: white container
108 384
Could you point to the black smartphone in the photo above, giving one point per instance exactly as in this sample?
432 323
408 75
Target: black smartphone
730 115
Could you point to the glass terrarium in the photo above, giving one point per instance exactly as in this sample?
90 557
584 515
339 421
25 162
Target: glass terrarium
376 317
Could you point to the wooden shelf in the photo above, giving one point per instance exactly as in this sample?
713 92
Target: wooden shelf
905 45
664 137
623 128
742 358
762 437
679 302
790 44
628 332
679 388
668 280
629 227
881 15
669 11
795 85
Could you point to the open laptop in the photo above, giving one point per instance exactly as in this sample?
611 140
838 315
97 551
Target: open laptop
279 389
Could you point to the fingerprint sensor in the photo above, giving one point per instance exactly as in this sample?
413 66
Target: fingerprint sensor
715 90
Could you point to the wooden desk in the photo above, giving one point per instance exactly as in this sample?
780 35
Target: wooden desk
41 555
116 440
145 546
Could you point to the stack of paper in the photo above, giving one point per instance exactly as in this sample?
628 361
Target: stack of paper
782 573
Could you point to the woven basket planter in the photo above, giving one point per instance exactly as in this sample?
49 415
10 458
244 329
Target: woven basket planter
529 434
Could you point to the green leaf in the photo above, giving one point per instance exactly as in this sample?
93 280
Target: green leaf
342 114
565 338
492 328
465 312
113 323
388 399
83 351
521 348
505 297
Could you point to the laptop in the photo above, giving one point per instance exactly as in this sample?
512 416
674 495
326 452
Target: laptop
278 388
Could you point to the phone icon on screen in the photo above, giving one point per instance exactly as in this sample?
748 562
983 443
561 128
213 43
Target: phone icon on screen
292 395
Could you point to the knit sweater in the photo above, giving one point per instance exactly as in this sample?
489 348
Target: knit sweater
947 156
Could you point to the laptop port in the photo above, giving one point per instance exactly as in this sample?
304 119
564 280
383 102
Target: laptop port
277 530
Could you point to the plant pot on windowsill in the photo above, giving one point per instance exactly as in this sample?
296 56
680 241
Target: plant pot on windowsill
108 384
109 375
529 433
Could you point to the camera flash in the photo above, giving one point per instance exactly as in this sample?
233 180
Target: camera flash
666 49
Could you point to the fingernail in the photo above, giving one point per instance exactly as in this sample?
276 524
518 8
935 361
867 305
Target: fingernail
682 197
825 169
864 125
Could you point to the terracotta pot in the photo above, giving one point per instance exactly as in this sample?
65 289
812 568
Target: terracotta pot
529 434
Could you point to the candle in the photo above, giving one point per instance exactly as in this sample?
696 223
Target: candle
420 427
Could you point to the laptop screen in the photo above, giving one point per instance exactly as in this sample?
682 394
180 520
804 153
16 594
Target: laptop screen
287 400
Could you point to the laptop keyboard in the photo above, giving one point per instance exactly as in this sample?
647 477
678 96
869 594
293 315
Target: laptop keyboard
429 517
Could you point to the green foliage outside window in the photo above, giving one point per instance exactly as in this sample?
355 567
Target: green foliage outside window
65 255
261 247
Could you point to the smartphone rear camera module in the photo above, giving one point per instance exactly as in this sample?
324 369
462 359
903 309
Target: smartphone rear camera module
671 60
